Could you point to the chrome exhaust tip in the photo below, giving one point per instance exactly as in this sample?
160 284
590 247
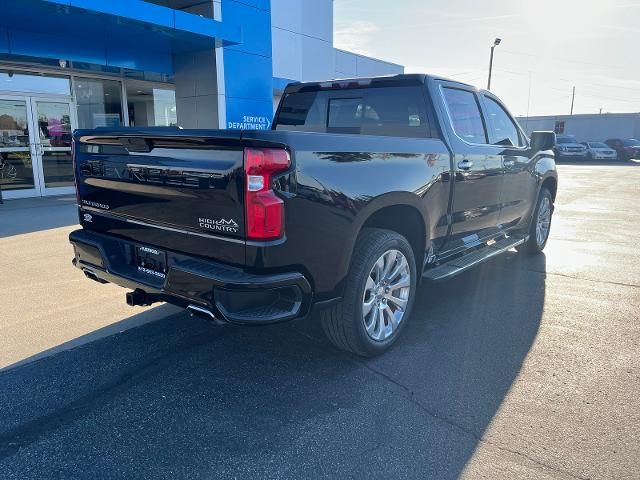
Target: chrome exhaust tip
92 276
205 314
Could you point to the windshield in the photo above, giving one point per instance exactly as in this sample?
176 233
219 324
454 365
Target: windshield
632 142
598 145
566 139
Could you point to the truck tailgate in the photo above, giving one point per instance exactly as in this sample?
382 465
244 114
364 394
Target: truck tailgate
168 188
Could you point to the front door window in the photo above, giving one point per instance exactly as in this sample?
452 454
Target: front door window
502 128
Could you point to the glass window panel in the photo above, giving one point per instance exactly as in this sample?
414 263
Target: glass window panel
58 169
151 106
303 111
465 115
503 127
21 82
392 111
14 131
54 124
99 103
345 113
16 170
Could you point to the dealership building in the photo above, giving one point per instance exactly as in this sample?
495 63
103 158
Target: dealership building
67 64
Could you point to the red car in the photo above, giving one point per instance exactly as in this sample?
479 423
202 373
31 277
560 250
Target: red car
627 148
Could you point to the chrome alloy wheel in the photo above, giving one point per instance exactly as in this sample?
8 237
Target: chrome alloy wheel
386 295
543 222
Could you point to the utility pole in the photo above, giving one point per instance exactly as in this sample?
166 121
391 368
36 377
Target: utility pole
573 97
496 42
528 100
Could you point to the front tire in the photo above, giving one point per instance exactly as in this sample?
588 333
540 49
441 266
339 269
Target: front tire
378 296
540 224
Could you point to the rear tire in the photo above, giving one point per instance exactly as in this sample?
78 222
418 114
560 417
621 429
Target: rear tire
540 224
378 296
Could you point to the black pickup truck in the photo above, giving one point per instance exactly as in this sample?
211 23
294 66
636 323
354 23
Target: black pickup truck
362 189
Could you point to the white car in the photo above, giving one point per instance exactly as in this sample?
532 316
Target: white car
600 151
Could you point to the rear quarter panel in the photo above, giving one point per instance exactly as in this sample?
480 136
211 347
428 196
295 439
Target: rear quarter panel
338 182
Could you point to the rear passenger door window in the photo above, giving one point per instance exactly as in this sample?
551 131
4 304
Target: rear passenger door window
389 112
502 128
464 111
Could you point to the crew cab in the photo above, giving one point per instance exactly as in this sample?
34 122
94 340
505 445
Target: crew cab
362 190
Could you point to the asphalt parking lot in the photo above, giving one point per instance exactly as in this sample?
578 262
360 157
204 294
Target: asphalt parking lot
527 367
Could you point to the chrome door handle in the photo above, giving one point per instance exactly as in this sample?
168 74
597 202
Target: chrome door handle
465 164
509 163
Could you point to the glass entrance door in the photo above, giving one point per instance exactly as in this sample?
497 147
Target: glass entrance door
18 176
54 124
35 146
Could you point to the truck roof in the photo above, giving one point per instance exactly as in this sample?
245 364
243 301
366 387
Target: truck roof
380 81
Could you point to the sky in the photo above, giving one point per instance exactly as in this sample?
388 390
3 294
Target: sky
548 47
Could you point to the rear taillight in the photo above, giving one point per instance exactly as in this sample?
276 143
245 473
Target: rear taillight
264 209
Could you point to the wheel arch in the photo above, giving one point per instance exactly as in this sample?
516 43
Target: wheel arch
550 183
400 212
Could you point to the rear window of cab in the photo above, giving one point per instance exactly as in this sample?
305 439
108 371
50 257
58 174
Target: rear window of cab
384 111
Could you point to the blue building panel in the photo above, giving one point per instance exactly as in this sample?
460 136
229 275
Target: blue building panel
144 51
188 23
249 114
248 67
133 10
12 12
4 40
256 27
260 4
120 33
142 36
35 44
248 76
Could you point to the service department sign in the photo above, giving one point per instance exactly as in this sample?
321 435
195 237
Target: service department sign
250 122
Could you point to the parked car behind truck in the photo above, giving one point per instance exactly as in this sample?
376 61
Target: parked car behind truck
627 148
568 148
600 151
363 189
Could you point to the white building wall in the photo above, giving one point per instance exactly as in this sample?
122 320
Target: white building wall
303 45
595 128
354 65
302 33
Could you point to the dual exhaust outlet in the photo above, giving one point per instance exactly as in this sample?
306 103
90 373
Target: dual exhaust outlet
141 298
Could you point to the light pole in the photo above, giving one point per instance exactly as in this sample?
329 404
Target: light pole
496 42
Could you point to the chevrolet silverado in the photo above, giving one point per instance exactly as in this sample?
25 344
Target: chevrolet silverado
362 190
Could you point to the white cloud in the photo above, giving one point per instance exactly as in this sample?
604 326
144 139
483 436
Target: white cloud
356 37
